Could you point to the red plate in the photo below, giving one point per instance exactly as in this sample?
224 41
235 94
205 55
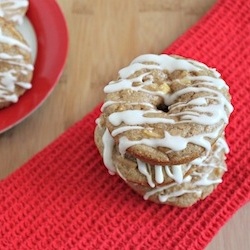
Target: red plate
52 47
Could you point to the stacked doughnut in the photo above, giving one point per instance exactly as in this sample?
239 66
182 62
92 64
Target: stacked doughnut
16 68
162 128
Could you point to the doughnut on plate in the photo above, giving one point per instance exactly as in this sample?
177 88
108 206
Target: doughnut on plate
16 68
48 37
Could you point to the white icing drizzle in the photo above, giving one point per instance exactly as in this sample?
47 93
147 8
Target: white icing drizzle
98 122
145 170
222 144
108 103
16 60
108 143
159 178
199 110
208 165
211 161
9 78
124 129
205 115
134 117
176 143
164 62
204 178
176 173
210 81
164 197
10 9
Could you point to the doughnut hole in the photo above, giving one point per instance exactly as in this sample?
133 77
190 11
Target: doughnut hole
163 107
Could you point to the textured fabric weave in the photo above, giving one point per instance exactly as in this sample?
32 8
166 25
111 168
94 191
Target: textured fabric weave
64 198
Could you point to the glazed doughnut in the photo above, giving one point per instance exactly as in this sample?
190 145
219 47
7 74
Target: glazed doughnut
16 67
162 128
166 110
178 185
13 10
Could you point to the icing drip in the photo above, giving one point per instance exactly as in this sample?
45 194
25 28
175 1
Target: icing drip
203 181
159 174
176 173
204 178
145 170
108 143
176 143
12 41
133 117
98 122
163 197
212 160
163 61
16 60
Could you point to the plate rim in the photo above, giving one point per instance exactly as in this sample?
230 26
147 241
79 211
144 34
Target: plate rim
44 79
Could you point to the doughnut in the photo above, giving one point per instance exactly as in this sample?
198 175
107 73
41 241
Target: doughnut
166 110
190 182
16 67
178 185
169 113
13 10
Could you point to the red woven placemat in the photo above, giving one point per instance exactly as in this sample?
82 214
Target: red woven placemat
64 198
